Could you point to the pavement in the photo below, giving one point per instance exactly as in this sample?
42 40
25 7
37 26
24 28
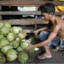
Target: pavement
58 57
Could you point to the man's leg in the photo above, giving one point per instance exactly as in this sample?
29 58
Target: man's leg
47 54
56 42
43 36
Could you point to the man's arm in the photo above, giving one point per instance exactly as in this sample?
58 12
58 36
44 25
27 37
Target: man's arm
49 25
44 28
51 36
41 29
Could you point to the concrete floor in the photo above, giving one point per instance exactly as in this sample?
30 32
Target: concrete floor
58 57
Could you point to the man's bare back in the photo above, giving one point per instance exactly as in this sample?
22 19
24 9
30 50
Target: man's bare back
61 31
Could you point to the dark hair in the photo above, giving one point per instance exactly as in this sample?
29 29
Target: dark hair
47 8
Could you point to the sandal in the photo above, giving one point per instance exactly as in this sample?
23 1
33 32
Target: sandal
44 57
56 49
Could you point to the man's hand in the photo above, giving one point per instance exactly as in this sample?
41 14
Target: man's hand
29 47
36 32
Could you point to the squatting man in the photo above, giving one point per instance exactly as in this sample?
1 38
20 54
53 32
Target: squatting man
49 38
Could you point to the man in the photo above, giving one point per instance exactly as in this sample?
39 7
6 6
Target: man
48 39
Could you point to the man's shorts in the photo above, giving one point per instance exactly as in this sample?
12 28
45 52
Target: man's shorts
44 35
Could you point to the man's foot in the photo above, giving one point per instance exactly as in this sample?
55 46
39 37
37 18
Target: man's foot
56 49
44 56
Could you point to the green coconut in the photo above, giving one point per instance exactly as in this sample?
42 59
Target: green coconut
1 36
7 24
1 24
11 36
31 51
23 57
2 58
6 48
16 29
3 42
11 54
24 44
18 39
4 30
19 49
21 35
15 44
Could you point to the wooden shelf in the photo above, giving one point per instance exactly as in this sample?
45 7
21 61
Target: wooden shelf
25 21
20 13
26 13
27 3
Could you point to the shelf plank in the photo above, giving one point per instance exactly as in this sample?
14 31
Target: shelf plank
26 21
26 13
25 3
20 13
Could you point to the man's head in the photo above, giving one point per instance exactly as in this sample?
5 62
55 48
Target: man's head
47 9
